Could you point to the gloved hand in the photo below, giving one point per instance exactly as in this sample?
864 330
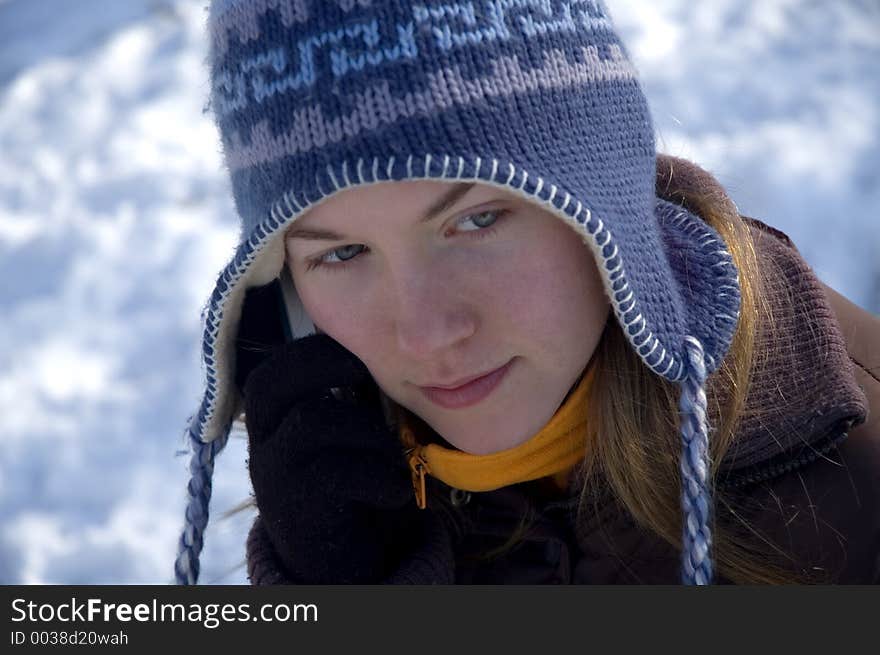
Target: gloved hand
330 479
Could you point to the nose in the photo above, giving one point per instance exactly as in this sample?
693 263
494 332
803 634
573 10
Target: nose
431 311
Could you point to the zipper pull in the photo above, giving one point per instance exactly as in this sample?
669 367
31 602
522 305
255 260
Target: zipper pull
418 467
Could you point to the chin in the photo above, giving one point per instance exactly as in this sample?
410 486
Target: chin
477 444
472 440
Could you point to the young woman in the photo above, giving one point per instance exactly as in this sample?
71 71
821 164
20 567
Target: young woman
481 332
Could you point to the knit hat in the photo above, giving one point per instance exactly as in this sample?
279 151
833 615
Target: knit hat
536 97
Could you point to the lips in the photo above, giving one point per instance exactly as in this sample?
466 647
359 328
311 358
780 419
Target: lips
471 392
459 383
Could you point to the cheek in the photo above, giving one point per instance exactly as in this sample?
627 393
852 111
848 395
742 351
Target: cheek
552 283
348 320
555 301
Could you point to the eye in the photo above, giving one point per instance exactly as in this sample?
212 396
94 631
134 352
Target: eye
480 219
340 258
342 255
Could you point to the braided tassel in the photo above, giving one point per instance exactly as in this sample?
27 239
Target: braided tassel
696 497
201 468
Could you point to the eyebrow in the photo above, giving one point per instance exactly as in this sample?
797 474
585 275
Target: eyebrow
441 205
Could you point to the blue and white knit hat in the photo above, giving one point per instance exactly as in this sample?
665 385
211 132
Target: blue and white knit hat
538 97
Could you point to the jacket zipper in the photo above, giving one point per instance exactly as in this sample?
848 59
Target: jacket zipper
418 466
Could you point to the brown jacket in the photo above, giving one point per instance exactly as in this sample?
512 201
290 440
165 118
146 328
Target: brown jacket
808 481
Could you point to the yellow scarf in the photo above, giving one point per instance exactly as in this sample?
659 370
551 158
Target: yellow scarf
551 453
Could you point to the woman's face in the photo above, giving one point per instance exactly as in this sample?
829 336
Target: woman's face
489 280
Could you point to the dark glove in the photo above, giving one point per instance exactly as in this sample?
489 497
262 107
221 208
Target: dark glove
330 479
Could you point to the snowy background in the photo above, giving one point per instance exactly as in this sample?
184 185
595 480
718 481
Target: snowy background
116 215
